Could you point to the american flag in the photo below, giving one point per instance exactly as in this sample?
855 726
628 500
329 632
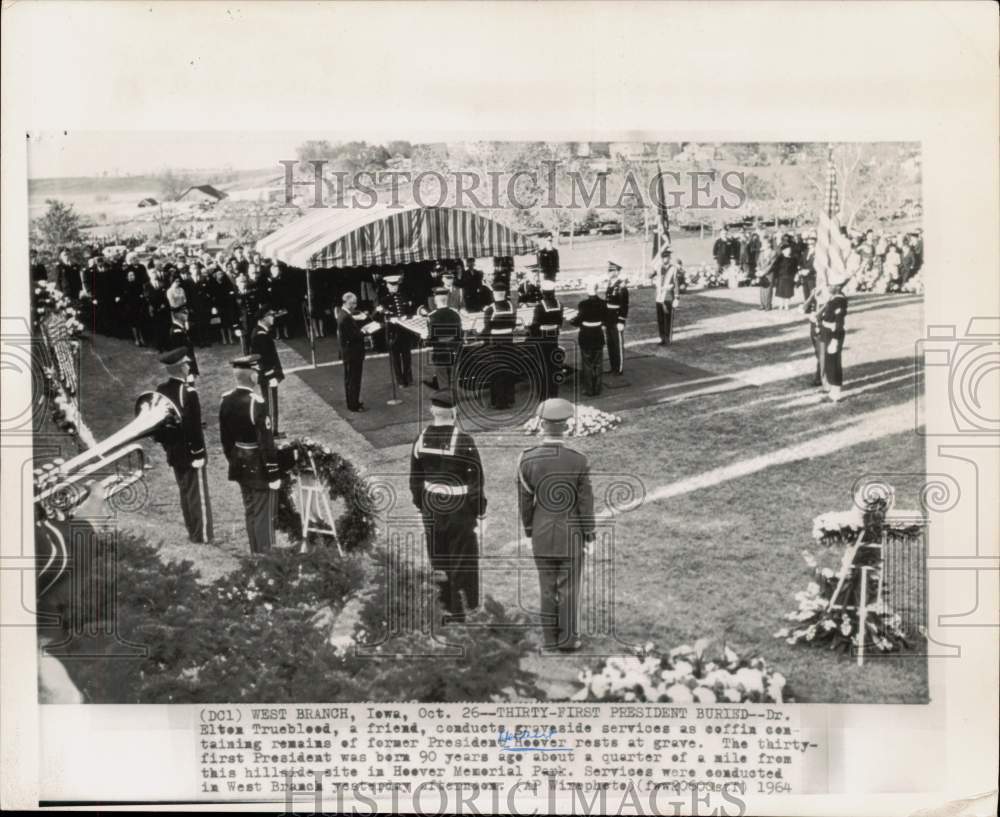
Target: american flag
832 246
661 238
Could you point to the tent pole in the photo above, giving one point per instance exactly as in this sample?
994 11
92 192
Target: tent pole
309 322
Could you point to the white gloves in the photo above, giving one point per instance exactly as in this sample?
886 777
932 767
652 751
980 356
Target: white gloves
198 463
273 382
833 346
274 486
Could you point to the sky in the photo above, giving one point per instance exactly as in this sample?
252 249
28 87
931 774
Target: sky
54 154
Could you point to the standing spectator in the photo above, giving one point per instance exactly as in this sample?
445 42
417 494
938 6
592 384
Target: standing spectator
246 312
222 294
38 270
352 345
891 266
751 254
782 275
158 310
278 293
548 261
132 303
68 278
807 269
721 251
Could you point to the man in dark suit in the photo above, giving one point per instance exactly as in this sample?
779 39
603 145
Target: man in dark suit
248 444
556 504
721 250
446 485
271 374
548 260
616 297
393 307
352 347
68 279
444 333
591 316
184 445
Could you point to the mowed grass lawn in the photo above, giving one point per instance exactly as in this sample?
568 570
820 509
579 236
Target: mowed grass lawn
731 481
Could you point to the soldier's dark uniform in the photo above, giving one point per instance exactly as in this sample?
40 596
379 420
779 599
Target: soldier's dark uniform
556 504
832 332
184 445
503 268
528 292
395 305
248 444
178 338
262 343
591 317
444 334
446 484
813 308
617 301
499 320
546 321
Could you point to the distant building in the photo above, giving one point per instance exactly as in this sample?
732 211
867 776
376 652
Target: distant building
148 202
202 193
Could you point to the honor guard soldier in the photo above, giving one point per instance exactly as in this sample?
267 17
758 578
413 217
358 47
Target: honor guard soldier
548 260
666 279
503 267
617 300
352 347
556 505
455 300
446 484
248 444
544 329
184 445
444 334
178 338
499 320
271 374
831 318
591 317
812 308
394 307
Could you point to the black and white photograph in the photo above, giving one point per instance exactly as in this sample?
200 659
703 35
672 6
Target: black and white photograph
479 407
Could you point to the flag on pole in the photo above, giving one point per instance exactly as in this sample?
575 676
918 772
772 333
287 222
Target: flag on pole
661 236
832 246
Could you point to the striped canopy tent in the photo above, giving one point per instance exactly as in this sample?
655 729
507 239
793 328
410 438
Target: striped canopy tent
331 238
385 236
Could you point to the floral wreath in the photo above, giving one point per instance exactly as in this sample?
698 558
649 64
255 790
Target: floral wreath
356 527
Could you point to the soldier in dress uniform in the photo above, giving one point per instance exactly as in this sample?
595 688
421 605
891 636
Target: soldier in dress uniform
812 308
499 320
472 284
556 505
444 333
271 374
352 347
394 306
184 445
455 300
666 279
178 337
503 267
831 319
548 260
617 300
591 317
446 484
546 321
248 444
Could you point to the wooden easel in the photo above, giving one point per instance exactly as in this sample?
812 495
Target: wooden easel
315 507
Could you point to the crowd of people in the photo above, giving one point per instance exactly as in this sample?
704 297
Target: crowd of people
779 262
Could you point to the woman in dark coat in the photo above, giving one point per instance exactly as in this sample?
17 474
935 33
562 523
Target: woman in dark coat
782 275
223 298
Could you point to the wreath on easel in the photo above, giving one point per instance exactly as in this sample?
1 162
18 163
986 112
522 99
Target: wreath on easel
356 527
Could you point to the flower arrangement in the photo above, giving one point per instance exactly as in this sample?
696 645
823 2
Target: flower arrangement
816 622
51 303
356 527
915 284
587 422
684 675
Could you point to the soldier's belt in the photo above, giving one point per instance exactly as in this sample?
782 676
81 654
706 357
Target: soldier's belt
501 331
593 324
446 490
614 306
829 325
550 328
248 446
